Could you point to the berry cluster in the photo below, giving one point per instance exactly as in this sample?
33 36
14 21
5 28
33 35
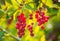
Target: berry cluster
20 26
41 18
31 30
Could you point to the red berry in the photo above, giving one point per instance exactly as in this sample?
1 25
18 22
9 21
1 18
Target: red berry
22 15
21 30
29 27
24 20
37 11
23 33
42 14
20 36
42 27
36 16
31 30
31 16
18 17
39 19
39 23
47 17
32 34
17 25
18 33
23 25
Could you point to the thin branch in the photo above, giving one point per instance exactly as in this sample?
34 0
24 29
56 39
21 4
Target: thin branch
10 34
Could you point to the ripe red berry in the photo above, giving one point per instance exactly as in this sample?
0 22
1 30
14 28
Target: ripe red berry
17 25
23 33
29 27
47 17
22 15
42 27
37 11
36 16
39 23
31 34
31 16
23 25
20 36
42 14
31 30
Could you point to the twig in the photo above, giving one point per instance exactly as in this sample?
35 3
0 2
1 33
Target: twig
10 34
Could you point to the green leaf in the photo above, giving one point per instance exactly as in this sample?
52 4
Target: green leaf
11 11
58 4
9 1
35 8
36 1
12 28
1 13
52 11
58 16
7 16
2 2
28 6
1 34
1 39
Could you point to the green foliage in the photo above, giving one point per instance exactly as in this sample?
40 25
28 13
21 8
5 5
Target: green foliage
2 2
52 11
1 34
28 6
9 1
1 13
